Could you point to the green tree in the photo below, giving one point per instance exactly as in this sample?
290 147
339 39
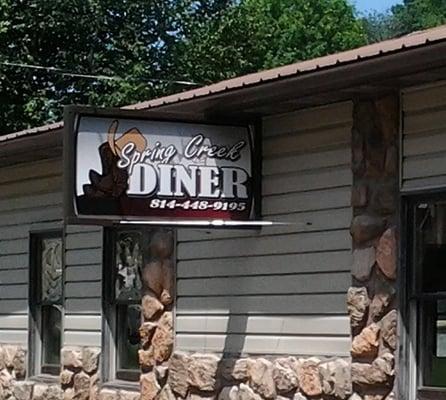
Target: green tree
410 16
112 38
378 26
147 45
130 40
260 34
414 15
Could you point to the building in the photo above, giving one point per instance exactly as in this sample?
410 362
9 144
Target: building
345 301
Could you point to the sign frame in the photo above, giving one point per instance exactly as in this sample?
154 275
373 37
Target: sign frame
72 116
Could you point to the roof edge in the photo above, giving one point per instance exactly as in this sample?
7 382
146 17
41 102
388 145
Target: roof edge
387 47
376 50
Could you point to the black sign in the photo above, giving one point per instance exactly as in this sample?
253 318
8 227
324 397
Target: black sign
126 168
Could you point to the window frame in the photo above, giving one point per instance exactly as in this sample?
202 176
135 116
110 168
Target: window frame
36 367
110 373
415 350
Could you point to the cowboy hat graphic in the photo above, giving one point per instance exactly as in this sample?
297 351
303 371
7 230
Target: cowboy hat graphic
133 135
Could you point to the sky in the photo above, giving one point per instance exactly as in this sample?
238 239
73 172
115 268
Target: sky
378 5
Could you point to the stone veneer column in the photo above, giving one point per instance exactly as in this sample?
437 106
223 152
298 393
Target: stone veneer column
371 299
157 322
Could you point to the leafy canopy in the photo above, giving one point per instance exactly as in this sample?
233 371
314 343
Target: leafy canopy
260 34
415 15
410 16
148 44
131 40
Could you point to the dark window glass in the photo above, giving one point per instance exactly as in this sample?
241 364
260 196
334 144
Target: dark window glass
51 335
429 285
434 268
434 343
128 321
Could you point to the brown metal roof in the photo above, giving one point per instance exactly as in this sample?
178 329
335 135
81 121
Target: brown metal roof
32 131
405 43
414 39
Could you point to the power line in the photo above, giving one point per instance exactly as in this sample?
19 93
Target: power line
89 76
58 71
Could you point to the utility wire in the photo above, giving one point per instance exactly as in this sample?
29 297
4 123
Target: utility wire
88 76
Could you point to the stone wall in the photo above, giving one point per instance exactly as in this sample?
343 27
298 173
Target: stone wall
78 380
13 385
12 368
206 376
156 331
115 394
167 376
79 377
371 300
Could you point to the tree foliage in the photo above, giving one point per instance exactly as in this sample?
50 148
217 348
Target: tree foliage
410 16
415 15
260 34
148 44
131 40
378 26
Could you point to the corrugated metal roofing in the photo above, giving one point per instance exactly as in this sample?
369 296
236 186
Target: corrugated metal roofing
413 40
32 131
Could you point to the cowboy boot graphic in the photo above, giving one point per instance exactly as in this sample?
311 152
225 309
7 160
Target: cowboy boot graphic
113 182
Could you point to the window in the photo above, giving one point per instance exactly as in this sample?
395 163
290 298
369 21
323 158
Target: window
46 302
122 280
428 292
136 262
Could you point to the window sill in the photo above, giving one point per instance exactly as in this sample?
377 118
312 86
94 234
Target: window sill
131 386
432 394
44 378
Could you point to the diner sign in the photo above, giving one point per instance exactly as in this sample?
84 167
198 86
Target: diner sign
153 171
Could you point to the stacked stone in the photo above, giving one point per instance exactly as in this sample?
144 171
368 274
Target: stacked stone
156 331
371 299
206 376
12 368
79 378
115 394
12 375
29 390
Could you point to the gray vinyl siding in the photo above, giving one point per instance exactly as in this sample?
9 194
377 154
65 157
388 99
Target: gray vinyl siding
83 285
424 137
30 200
282 289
